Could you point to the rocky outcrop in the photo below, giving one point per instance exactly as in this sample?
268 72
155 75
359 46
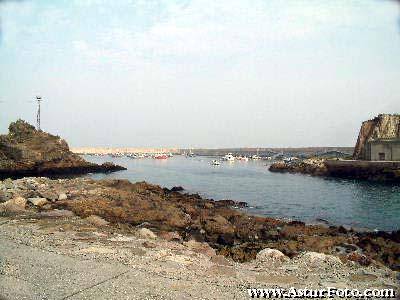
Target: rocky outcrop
312 166
384 126
26 151
380 171
230 232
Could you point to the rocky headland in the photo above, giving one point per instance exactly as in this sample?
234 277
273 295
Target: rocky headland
25 151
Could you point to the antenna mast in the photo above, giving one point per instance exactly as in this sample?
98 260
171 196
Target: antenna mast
38 99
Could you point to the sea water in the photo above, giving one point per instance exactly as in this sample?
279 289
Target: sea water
359 204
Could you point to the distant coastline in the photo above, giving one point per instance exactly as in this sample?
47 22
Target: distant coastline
209 151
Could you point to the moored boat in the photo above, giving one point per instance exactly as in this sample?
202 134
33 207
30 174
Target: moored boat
215 162
242 158
229 157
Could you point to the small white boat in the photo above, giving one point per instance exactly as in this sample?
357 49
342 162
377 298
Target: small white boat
229 157
242 158
215 162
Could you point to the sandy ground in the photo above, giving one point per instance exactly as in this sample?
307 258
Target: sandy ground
69 258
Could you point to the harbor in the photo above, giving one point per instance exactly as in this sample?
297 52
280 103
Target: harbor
358 204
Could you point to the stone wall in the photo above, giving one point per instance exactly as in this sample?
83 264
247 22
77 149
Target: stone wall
391 150
361 169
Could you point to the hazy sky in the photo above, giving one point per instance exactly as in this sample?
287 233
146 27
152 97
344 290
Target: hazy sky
203 73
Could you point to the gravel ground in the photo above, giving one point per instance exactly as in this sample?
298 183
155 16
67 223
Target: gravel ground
70 258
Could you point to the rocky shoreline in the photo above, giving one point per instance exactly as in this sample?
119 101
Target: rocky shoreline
188 217
311 166
63 256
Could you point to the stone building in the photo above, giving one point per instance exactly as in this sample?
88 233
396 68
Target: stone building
379 139
383 149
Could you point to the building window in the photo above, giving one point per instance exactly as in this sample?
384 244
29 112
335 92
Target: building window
381 156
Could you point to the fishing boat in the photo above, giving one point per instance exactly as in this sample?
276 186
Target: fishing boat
161 156
215 162
229 157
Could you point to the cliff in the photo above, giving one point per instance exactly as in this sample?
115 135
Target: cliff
27 151
384 126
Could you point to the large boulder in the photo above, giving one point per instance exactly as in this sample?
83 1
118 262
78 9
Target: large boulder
14 205
37 201
270 254
146 234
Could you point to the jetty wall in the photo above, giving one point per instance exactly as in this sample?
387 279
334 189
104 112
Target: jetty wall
361 169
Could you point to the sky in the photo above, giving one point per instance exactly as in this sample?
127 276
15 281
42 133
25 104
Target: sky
200 73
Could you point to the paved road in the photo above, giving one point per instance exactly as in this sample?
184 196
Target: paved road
31 273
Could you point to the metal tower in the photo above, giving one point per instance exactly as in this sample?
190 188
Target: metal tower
38 99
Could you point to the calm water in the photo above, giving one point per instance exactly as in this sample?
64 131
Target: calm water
340 202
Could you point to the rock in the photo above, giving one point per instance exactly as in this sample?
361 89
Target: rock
270 254
313 166
38 201
208 205
14 205
218 224
231 203
177 189
318 259
57 213
149 245
146 234
8 183
171 236
62 196
359 258
202 248
31 184
4 196
26 151
47 207
50 195
97 221
20 201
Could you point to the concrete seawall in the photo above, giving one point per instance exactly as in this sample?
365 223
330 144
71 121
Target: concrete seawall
360 169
